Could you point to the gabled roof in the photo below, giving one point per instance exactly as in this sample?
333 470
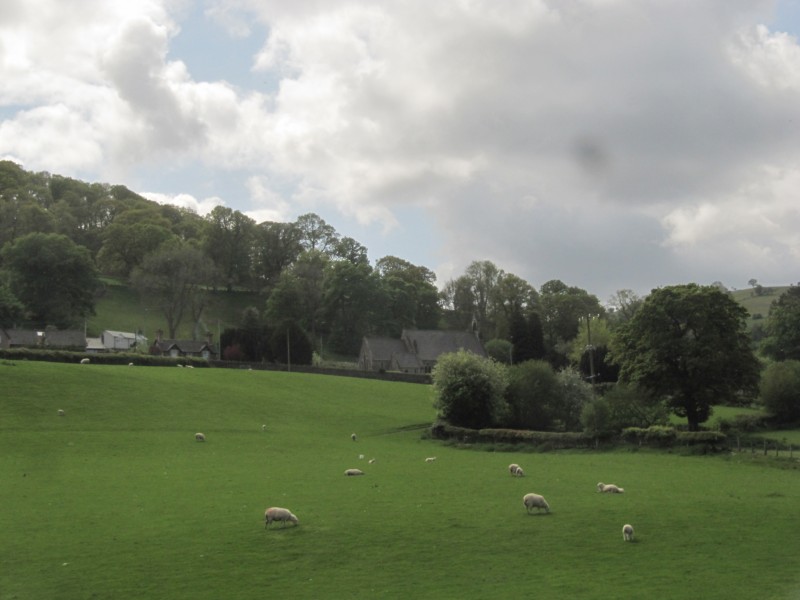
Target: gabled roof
22 337
382 348
429 344
187 346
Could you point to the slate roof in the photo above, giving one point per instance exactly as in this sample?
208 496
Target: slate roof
65 338
429 344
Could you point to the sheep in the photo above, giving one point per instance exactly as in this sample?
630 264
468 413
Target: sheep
353 472
200 437
512 468
353 437
61 412
519 472
85 361
372 461
275 513
430 459
610 488
536 501
627 533
130 364
264 427
360 457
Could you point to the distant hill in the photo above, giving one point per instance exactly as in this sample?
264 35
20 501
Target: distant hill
758 304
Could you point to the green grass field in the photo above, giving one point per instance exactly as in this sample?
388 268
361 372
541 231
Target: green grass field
116 499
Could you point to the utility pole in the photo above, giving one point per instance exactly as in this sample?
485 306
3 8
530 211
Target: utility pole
589 347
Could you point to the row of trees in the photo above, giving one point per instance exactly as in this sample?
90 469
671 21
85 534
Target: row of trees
682 349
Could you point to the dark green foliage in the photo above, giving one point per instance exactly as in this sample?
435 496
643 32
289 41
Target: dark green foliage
54 278
542 439
783 327
689 343
526 335
11 309
499 350
631 406
534 396
470 390
291 345
780 390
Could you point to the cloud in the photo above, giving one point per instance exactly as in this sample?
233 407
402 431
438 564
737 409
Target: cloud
201 207
607 143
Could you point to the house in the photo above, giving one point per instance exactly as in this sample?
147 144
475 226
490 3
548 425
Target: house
122 341
20 338
176 348
416 351
65 339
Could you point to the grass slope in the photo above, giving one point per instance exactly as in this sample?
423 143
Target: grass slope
117 500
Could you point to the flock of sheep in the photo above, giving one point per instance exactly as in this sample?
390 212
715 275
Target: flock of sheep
530 500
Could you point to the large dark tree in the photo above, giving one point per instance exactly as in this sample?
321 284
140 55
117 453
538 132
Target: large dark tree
689 344
54 278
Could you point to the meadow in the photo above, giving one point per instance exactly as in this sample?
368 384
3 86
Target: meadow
116 499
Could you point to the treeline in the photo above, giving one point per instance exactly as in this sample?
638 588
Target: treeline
59 235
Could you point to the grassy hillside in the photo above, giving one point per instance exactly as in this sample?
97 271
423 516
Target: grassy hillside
120 309
116 499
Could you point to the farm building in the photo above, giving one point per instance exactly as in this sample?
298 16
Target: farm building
416 351
58 339
176 348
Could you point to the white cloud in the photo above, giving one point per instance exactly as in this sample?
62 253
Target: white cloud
201 207
607 143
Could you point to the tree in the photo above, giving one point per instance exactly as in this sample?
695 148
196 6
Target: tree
780 390
533 395
316 234
407 295
470 390
229 243
348 298
783 327
11 309
133 234
575 394
689 344
173 279
276 247
526 336
54 278
562 308
500 350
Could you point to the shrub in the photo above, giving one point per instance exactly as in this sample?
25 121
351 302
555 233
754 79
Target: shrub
533 395
470 390
780 390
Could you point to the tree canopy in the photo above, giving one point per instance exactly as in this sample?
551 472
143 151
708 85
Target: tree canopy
689 344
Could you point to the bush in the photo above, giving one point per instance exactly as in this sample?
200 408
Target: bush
470 390
533 395
780 390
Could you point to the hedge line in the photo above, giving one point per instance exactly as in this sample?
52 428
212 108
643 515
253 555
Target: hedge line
655 436
110 358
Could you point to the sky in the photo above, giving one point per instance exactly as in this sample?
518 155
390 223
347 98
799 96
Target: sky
611 144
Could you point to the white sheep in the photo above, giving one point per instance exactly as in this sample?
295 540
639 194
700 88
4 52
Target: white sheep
352 472
518 472
610 488
512 468
85 361
200 437
353 437
130 364
264 427
627 532
360 457
430 459
536 501
61 412
372 461
276 513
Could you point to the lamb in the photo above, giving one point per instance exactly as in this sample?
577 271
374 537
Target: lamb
61 412
512 468
264 427
200 437
352 472
536 501
430 459
130 364
610 488
627 532
353 437
372 461
519 472
275 513
85 361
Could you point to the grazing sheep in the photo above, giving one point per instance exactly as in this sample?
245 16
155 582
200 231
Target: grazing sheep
85 361
371 461
360 457
179 365
264 427
610 488
200 437
276 513
353 437
430 459
627 533
61 413
352 472
130 364
519 472
512 468
536 501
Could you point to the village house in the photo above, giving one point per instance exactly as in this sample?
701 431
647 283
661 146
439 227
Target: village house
178 348
416 351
